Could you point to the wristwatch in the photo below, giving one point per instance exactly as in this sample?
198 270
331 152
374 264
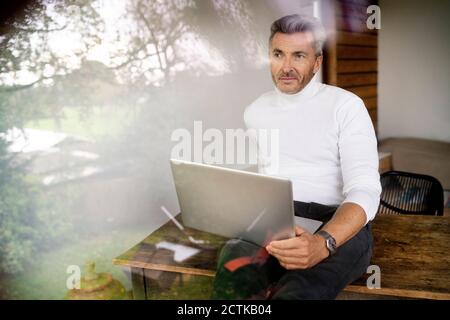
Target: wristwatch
329 240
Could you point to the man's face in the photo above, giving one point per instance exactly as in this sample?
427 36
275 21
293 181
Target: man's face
293 61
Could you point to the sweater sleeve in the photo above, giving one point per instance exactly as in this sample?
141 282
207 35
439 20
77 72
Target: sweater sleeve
359 157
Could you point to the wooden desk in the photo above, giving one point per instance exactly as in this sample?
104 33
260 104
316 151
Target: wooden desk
413 255
411 251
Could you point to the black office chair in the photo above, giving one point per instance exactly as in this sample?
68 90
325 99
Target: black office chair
411 193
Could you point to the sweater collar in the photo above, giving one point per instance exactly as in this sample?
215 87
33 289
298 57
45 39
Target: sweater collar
286 100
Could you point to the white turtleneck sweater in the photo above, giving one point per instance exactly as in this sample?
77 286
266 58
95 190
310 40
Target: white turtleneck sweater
327 145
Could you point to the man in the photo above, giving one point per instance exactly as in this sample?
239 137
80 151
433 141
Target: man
328 148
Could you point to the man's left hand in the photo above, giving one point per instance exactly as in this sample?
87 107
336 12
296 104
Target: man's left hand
301 252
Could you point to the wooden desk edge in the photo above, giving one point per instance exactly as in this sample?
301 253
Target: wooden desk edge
163 267
415 294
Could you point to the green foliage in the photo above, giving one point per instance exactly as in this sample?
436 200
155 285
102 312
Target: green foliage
46 279
16 232
31 218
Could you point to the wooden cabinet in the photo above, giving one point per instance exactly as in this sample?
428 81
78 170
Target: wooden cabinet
351 52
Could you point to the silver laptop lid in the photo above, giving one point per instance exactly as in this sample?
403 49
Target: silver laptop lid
233 203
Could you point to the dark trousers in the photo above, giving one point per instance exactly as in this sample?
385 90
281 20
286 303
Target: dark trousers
262 277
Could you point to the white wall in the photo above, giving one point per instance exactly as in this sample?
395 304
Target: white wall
414 69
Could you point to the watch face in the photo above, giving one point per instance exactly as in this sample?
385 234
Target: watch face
329 241
331 245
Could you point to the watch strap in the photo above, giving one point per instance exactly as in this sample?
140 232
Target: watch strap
329 241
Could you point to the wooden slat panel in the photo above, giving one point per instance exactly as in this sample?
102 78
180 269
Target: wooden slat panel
330 56
356 52
375 126
358 2
354 24
370 103
356 79
364 91
357 39
330 63
353 66
373 115
355 10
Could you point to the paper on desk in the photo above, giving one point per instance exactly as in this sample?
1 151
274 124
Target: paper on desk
309 225
181 252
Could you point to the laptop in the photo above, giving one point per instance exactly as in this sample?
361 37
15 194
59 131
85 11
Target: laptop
236 204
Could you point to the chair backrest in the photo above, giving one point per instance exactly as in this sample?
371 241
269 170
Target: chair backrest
411 193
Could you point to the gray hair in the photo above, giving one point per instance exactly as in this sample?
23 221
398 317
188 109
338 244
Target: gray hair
300 23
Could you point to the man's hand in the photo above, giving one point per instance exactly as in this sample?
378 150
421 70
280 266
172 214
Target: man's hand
302 252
